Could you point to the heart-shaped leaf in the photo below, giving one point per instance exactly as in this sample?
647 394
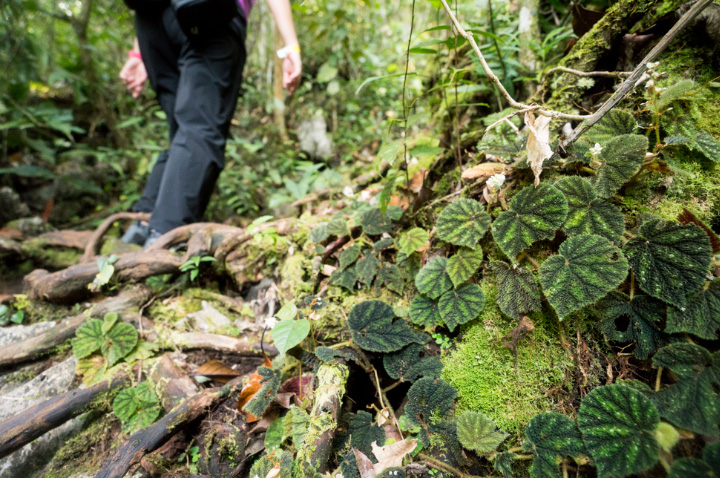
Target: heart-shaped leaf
367 268
429 398
614 123
144 417
643 315
701 317
552 437
373 328
460 306
374 222
693 402
345 278
585 269
669 259
463 265
411 363
622 157
289 333
424 312
708 467
478 432
433 279
618 427
362 431
463 223
697 139
88 338
349 256
337 226
518 291
535 214
587 214
125 404
412 241
119 342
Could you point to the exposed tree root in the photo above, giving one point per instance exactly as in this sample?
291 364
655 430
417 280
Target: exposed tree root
93 244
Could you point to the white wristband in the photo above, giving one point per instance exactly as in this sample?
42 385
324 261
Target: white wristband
286 50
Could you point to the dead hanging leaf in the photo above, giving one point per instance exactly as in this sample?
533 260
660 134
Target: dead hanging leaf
483 170
538 146
416 181
392 455
365 466
250 389
217 371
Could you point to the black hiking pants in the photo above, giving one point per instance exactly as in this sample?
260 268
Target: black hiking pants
197 84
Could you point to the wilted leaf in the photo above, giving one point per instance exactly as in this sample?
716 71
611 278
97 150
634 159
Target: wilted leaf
91 369
251 388
424 312
622 157
693 402
391 456
433 279
535 214
701 317
518 291
289 333
460 306
643 315
269 384
412 241
478 432
587 214
538 145
483 170
463 265
217 371
618 427
411 363
669 260
373 328
463 223
585 269
615 123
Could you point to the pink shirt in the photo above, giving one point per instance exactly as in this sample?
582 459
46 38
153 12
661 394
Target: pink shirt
246 5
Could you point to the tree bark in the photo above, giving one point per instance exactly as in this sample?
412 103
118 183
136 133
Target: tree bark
32 423
313 456
221 343
33 347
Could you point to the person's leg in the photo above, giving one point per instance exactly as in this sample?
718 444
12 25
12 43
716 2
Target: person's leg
210 75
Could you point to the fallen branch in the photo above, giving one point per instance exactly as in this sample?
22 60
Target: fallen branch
312 457
175 384
32 423
605 74
42 343
221 343
92 246
148 439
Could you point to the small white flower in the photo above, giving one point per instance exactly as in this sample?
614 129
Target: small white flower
659 90
495 181
650 84
270 322
291 250
596 150
652 65
365 195
348 191
382 91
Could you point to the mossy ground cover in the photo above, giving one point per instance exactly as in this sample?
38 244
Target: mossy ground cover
484 373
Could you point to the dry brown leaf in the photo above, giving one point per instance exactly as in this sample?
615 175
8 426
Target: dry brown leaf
397 200
275 471
538 146
416 181
217 371
365 466
249 391
392 455
483 170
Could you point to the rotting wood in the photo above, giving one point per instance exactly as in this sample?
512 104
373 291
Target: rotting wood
93 244
26 426
175 384
221 343
148 439
44 342
313 456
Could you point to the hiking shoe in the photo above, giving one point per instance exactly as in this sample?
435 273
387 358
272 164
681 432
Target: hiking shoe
153 236
137 233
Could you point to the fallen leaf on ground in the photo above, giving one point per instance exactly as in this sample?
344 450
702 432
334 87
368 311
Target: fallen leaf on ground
250 389
217 371
392 455
483 170
538 146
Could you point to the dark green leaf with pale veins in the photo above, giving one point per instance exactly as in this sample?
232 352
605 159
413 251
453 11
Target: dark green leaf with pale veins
373 328
622 157
460 306
670 260
424 312
618 427
552 437
643 315
586 268
412 240
463 223
429 398
411 363
614 123
88 338
701 317
535 214
463 265
587 213
119 342
363 433
518 291
348 256
433 279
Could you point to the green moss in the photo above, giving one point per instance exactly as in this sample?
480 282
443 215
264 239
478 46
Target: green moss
174 309
484 373
294 271
54 257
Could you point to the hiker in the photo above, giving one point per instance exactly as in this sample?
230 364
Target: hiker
194 61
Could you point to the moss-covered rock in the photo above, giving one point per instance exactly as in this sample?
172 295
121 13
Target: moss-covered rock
484 373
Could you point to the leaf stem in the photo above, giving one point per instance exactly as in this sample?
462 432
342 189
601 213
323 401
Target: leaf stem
442 466
657 379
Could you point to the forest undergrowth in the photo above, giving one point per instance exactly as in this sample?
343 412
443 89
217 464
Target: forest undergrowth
482 277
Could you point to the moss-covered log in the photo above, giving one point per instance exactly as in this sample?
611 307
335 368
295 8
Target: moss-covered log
40 344
312 457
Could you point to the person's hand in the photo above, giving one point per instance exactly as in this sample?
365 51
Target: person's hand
134 75
292 70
